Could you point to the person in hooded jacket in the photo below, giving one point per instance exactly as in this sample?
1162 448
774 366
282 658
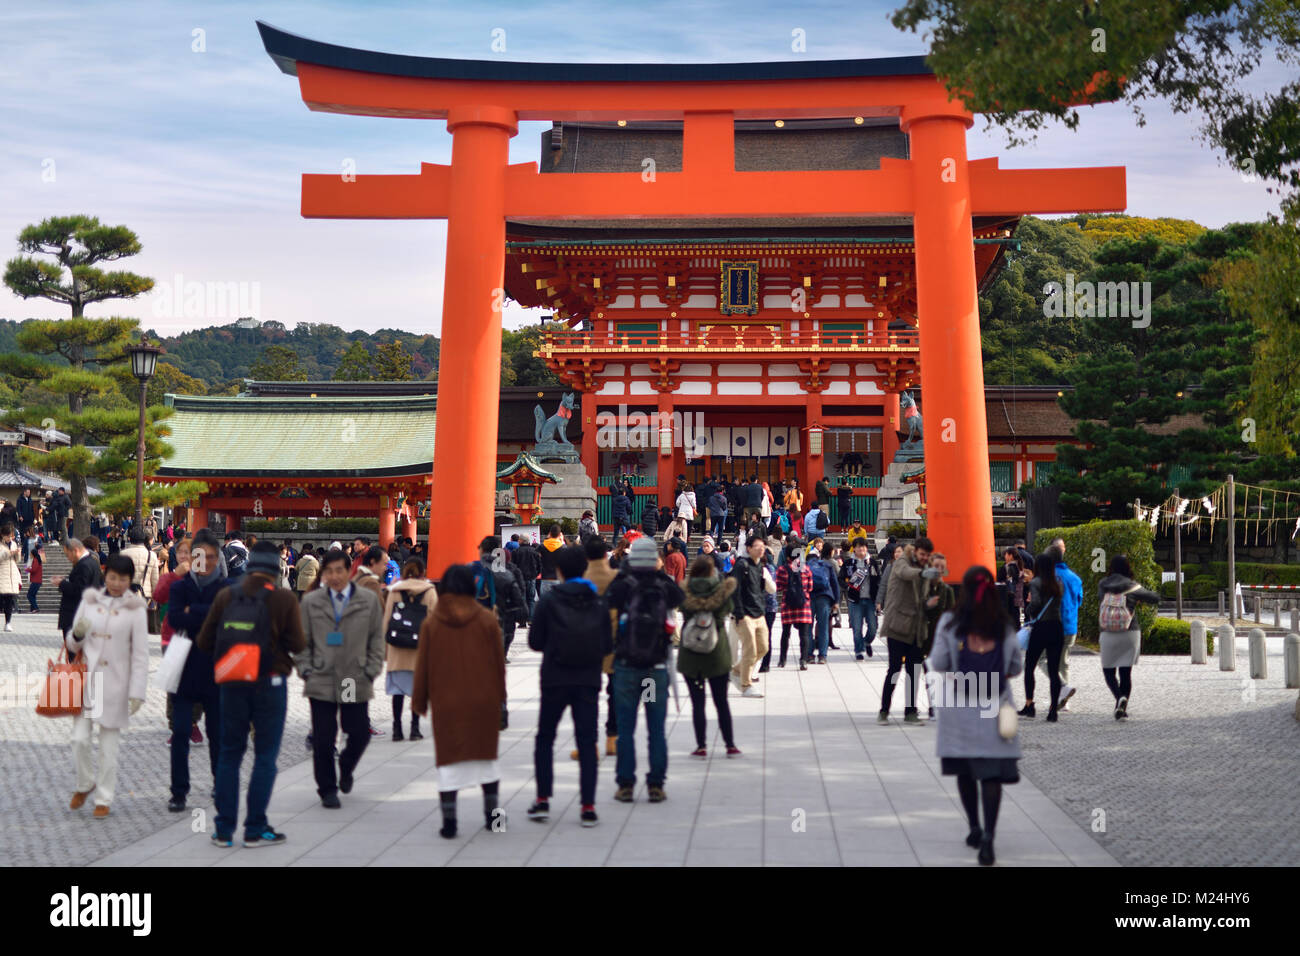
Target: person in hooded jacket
460 680
1120 650
709 593
572 631
189 598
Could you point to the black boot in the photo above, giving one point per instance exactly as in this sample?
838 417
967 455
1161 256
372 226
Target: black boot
415 728
397 717
986 857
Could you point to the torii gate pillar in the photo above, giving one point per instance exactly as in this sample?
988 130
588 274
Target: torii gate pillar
959 514
465 446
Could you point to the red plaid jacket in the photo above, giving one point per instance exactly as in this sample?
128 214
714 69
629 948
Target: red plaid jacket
795 615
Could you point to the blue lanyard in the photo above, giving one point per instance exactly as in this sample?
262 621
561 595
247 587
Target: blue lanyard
335 602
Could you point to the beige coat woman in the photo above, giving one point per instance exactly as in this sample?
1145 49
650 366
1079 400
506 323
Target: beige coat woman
401 658
11 580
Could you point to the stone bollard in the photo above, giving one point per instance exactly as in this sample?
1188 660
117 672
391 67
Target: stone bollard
1291 659
1198 642
1258 647
1277 614
1223 605
1227 648
1259 601
1295 620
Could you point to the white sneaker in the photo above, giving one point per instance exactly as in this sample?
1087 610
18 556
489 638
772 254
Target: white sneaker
1066 693
751 691
9 627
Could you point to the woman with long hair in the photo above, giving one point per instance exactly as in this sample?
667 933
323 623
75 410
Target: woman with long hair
1046 635
399 662
707 593
974 657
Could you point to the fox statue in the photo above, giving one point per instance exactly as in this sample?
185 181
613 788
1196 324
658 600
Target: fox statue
554 428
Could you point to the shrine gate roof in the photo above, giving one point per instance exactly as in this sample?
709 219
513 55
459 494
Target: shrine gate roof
301 437
289 49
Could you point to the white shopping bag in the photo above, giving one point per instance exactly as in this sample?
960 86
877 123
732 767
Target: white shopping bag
173 662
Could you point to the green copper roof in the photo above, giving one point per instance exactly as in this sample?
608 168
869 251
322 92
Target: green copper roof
526 460
306 437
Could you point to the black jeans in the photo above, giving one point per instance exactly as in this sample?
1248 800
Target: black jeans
326 716
611 716
182 721
805 642
1046 637
581 701
718 687
767 658
901 655
1122 687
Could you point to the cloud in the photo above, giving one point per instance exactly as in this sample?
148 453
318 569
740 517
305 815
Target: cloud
201 153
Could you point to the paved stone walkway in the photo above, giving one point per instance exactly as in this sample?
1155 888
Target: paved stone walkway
1197 775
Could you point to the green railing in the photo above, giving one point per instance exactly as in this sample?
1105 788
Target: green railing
856 481
605 508
1001 476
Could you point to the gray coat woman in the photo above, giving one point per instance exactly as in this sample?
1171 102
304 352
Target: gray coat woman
974 657
1120 649
331 670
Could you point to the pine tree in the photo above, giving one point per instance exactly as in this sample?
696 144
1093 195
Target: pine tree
355 365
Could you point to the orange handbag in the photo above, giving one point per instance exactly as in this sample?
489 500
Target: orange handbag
62 693
240 664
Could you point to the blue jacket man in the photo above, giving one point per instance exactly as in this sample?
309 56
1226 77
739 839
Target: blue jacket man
1071 599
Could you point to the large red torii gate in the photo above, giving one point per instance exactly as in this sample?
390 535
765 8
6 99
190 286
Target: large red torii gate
482 103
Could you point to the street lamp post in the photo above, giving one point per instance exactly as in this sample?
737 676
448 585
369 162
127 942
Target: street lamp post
144 361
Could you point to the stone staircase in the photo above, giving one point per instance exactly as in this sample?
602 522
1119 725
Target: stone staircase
56 565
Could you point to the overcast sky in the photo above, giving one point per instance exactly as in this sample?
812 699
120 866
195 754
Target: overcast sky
106 109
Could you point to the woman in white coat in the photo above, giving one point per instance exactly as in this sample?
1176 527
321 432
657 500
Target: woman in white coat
11 580
111 628
686 509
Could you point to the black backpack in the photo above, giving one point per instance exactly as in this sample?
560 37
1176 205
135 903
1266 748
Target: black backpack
794 596
235 558
581 626
509 598
408 616
245 629
642 627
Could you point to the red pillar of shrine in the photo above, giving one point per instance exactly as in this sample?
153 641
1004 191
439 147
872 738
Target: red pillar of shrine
959 506
407 528
387 522
198 518
811 467
232 522
664 467
590 450
464 475
889 431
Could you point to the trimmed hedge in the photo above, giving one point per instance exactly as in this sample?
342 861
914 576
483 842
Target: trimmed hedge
1009 529
1200 588
905 530
1168 636
1249 573
1088 550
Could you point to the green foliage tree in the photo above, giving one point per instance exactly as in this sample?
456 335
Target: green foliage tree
1132 382
1264 287
1024 62
278 363
517 348
392 362
355 365
76 244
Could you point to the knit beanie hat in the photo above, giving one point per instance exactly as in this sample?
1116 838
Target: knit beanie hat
265 557
643 554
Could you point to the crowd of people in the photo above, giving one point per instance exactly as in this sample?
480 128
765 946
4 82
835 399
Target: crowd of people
633 619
